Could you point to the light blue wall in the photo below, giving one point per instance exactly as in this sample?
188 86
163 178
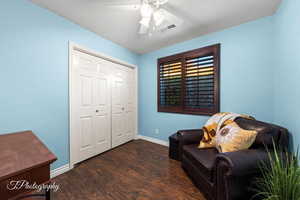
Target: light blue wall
259 73
287 71
246 78
34 71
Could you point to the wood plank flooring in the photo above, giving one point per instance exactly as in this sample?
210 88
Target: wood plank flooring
138 170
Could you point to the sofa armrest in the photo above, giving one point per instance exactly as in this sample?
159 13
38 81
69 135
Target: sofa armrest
186 137
192 136
243 162
235 172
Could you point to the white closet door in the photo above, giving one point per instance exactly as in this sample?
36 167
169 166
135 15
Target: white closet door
130 104
86 115
118 107
122 106
91 107
103 105
102 119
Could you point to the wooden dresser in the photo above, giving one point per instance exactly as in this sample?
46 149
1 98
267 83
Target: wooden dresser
23 157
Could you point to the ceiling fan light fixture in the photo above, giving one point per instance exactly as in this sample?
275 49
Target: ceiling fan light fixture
146 10
145 22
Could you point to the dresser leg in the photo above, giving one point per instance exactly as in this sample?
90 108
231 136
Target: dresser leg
48 194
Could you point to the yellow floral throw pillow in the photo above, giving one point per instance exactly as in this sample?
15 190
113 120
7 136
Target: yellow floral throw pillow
215 124
210 129
233 138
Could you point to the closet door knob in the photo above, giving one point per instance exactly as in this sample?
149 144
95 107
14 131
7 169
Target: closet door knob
123 108
97 111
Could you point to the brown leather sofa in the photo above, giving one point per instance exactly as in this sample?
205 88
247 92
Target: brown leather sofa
228 176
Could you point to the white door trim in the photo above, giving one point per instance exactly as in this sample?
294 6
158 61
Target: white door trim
75 47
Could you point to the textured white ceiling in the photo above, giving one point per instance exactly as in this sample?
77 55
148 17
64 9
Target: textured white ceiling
120 25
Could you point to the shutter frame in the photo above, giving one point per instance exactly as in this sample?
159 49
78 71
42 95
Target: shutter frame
183 57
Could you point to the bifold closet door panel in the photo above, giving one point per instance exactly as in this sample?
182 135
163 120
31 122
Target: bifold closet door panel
123 105
130 107
91 108
102 119
85 115
119 96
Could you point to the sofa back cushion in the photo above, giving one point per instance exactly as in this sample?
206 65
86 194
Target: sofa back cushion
266 133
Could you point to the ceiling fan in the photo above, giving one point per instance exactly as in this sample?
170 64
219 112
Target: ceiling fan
154 18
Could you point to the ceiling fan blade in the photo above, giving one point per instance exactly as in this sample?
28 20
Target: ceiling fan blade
172 18
129 5
124 7
120 2
158 2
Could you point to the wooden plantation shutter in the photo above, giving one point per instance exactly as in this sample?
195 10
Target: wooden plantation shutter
170 76
189 82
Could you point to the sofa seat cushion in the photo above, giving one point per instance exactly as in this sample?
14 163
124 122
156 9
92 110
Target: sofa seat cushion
203 159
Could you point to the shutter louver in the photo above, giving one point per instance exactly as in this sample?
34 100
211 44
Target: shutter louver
199 83
170 84
189 82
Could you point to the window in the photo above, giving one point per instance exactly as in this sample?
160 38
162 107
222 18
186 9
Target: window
188 82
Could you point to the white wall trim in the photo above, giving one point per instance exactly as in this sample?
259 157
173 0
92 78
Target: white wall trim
153 140
136 101
60 170
77 47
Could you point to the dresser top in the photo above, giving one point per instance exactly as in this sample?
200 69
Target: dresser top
20 152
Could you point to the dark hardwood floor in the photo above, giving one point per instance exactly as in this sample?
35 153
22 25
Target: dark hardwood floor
138 170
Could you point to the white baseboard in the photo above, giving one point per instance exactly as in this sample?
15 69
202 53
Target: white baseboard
153 140
60 170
